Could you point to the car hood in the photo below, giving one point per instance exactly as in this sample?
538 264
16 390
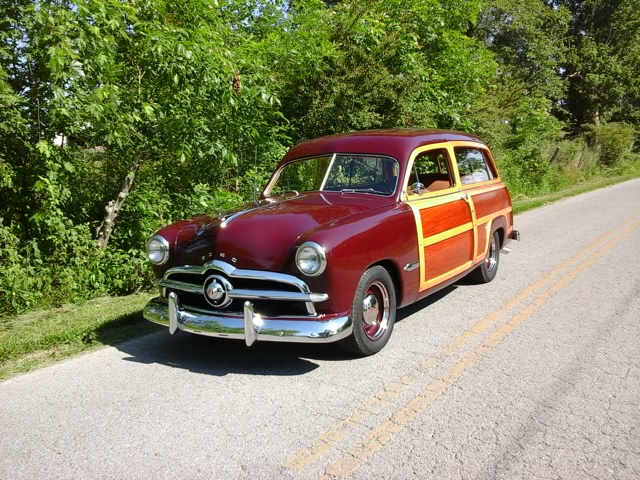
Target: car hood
264 235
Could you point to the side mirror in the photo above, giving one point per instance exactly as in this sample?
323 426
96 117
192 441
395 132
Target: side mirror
417 188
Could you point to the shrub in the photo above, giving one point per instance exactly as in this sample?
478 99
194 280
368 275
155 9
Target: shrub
614 142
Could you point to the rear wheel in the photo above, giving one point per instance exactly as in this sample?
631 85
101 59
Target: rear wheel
373 313
489 267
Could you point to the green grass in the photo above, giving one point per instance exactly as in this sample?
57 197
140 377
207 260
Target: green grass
39 338
523 203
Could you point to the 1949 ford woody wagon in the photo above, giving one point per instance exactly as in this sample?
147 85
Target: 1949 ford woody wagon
348 229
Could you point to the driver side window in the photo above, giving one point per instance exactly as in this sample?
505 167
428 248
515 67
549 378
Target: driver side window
431 169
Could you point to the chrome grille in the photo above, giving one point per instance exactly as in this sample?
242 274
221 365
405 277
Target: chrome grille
260 287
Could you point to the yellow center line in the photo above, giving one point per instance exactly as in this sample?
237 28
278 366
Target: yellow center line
361 452
323 443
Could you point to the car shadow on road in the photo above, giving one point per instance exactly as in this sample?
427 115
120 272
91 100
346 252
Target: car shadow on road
215 356
219 357
424 303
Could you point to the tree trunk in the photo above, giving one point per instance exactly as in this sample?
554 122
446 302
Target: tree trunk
103 232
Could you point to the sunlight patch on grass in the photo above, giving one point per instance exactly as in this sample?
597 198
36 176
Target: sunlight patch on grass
38 338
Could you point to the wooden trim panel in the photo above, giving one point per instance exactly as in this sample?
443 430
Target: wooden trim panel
454 225
447 258
445 217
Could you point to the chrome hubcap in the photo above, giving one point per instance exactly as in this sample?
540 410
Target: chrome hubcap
375 310
491 261
370 310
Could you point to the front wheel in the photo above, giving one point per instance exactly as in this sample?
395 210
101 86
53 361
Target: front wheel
489 267
373 313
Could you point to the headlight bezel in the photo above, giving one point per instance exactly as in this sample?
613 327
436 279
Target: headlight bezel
163 248
302 255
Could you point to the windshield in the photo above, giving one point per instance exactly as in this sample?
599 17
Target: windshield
338 173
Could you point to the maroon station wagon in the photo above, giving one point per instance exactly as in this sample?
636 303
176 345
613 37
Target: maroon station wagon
348 229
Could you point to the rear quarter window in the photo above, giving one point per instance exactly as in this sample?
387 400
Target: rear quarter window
474 165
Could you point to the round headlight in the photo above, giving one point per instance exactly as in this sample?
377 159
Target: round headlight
158 250
311 259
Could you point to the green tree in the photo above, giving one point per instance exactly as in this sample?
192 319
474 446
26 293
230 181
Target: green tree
149 81
528 41
158 88
379 63
604 61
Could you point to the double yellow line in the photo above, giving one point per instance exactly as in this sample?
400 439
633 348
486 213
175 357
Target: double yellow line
377 438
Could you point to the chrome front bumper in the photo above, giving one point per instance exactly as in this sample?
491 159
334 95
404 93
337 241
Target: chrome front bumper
250 327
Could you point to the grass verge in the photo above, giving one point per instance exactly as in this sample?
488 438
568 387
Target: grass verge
36 339
522 204
39 338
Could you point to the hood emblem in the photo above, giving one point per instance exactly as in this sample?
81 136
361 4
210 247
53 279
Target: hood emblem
233 259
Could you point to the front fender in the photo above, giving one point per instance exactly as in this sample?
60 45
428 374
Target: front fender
387 236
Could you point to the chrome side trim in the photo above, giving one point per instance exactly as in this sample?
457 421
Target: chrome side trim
248 326
411 266
226 220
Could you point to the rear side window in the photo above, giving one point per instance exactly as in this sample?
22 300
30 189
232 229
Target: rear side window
473 165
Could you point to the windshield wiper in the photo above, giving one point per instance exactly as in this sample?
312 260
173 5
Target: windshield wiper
363 190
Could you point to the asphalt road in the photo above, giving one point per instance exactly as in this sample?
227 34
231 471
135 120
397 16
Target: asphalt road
534 376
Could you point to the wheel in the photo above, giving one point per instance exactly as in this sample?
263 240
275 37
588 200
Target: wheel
487 270
373 313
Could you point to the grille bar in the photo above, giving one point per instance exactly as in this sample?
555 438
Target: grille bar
178 285
304 293
233 272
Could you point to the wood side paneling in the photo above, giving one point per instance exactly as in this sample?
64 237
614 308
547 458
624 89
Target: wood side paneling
490 202
482 239
444 217
447 255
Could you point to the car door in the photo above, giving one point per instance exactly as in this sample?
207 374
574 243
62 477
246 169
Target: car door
443 213
486 193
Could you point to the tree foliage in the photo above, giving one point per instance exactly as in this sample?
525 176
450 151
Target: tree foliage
381 63
153 81
524 37
603 61
190 103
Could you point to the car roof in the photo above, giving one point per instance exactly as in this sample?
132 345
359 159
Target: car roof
398 143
